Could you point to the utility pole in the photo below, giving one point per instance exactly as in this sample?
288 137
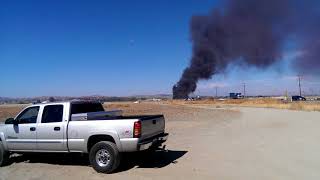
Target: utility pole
244 90
216 91
299 79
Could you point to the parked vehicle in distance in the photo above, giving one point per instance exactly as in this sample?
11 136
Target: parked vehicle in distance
83 127
236 96
298 98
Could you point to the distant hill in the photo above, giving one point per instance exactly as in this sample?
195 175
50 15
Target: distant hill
27 100
158 96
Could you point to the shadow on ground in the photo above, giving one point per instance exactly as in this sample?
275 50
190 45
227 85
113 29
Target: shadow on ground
157 159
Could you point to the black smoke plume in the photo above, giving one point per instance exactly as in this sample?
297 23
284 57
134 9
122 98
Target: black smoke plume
253 32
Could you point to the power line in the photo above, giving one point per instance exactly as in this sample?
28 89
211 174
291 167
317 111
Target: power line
244 90
299 79
216 91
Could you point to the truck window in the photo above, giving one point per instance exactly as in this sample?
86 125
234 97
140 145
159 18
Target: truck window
86 107
52 113
29 115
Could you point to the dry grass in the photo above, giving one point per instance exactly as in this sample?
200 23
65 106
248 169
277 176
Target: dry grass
257 102
130 108
7 111
117 106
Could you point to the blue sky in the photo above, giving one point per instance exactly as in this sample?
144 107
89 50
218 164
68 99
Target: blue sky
114 48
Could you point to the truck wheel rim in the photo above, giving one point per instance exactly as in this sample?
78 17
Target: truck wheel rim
103 157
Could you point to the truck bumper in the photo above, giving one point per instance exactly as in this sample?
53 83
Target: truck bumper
153 142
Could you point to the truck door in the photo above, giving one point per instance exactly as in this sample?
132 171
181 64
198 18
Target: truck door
51 131
22 136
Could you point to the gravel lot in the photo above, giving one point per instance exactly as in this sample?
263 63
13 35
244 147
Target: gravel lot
205 143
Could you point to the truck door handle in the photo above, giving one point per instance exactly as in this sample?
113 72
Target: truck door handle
56 128
154 122
32 129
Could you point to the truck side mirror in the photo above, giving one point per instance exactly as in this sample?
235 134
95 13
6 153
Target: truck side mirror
9 121
15 122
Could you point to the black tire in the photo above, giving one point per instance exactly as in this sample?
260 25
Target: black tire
113 157
4 156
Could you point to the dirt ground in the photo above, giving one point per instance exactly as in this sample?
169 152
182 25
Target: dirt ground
205 142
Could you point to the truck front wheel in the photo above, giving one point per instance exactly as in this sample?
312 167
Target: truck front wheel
4 156
104 157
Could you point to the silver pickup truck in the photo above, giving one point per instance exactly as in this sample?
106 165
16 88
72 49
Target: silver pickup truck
80 126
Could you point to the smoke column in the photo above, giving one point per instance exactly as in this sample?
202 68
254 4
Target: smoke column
254 33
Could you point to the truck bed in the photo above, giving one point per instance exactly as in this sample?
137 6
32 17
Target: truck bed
108 115
152 125
138 117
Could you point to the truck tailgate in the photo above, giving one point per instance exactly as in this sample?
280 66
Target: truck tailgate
152 125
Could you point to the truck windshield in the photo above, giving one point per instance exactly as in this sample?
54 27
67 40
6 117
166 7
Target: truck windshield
86 107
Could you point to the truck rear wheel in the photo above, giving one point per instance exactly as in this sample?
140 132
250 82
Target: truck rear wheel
104 157
4 156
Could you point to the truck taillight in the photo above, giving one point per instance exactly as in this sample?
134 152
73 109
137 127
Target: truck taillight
137 129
